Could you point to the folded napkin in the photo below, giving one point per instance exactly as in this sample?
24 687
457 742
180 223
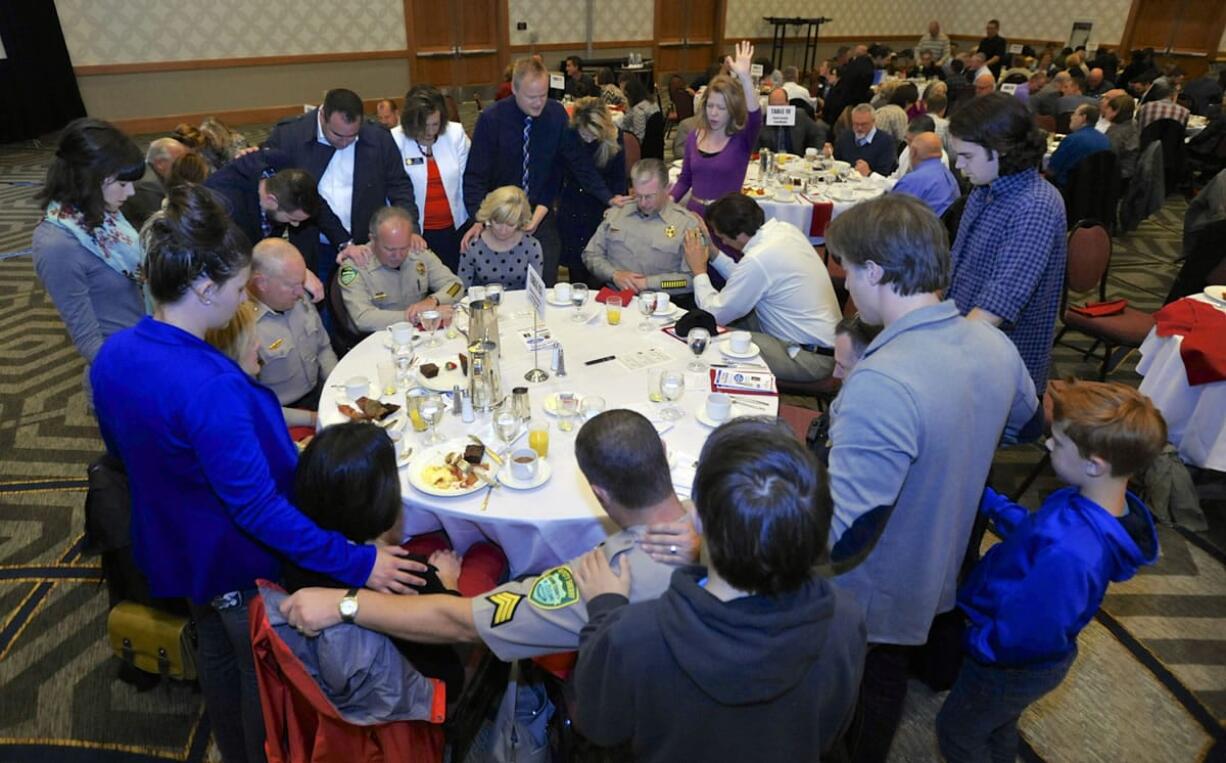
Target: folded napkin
605 292
1203 328
822 211
1100 309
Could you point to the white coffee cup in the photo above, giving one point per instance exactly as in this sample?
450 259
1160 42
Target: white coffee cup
524 464
561 292
476 293
810 153
719 406
357 386
740 341
402 332
663 303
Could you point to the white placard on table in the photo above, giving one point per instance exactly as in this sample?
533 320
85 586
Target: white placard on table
557 81
1015 47
536 293
638 359
755 70
780 116
1009 87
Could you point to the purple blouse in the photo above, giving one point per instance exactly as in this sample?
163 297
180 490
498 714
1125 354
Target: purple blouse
710 177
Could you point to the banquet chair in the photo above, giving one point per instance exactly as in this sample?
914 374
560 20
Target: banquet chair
653 137
633 151
1063 126
345 333
1045 123
1170 133
683 102
1089 259
1093 189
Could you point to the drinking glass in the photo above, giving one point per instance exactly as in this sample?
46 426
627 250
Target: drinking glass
613 310
402 356
653 385
672 386
578 297
506 425
387 377
647 306
697 339
493 293
430 321
431 408
538 436
592 406
412 401
568 408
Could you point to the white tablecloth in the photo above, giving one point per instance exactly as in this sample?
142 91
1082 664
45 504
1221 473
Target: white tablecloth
1195 416
799 212
561 519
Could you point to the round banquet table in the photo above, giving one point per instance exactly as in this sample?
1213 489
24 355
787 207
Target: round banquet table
561 519
810 213
1194 415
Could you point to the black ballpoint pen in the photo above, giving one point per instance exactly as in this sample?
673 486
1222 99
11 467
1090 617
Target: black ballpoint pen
600 360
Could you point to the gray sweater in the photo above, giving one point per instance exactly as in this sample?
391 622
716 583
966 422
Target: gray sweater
914 430
93 300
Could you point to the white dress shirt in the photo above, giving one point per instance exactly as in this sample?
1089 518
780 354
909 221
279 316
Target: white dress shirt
336 185
780 278
795 90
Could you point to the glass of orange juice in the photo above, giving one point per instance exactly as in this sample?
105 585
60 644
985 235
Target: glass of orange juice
538 436
613 310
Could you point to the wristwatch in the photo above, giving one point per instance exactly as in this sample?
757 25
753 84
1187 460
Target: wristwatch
349 605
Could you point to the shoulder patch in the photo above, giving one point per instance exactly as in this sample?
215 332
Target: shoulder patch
348 275
554 589
505 603
454 289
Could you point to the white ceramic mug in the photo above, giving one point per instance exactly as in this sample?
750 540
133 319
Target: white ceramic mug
663 303
402 332
740 341
357 386
561 292
476 293
524 464
719 406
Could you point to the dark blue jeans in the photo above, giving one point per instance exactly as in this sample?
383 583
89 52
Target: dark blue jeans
227 678
979 719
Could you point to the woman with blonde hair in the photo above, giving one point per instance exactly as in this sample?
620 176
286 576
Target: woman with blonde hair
579 212
503 252
717 153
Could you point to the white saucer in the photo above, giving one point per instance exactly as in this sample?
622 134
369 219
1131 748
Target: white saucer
389 345
543 472
1216 293
556 303
725 347
706 420
672 312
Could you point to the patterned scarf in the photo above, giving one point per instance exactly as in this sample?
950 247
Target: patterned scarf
115 241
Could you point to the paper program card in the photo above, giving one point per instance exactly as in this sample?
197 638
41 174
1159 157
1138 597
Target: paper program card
652 356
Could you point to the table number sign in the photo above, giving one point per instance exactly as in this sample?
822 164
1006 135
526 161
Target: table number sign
780 116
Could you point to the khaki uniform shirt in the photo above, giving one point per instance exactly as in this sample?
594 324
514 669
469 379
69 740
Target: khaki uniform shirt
544 614
294 349
649 244
377 296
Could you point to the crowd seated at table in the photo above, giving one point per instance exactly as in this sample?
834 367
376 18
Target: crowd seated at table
814 587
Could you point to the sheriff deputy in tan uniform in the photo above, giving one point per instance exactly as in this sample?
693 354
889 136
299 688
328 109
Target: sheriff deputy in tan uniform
396 284
544 614
641 247
295 352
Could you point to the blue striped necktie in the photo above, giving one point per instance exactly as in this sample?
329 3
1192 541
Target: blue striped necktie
527 138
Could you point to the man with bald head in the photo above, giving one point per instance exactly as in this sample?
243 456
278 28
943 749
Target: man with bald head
1096 83
929 180
805 133
1074 96
985 84
934 43
151 189
295 353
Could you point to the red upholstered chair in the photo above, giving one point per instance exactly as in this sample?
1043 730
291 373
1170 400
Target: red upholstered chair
798 419
302 725
1045 123
1089 258
633 150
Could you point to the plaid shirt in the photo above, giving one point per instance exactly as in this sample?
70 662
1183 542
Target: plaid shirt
1008 259
1163 109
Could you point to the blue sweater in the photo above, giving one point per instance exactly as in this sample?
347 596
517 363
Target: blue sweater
210 467
1031 594
1076 146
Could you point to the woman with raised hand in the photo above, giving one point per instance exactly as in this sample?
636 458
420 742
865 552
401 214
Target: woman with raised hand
209 460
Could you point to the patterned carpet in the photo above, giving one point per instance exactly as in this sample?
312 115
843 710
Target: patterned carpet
1149 685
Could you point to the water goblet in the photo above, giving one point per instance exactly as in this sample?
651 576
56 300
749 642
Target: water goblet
431 409
578 297
430 321
647 306
672 386
506 425
697 340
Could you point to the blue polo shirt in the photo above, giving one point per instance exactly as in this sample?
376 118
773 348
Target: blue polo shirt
1075 147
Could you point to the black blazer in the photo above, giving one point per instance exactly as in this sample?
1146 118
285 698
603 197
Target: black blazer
804 134
853 88
379 178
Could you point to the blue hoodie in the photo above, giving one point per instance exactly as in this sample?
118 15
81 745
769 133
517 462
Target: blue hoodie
1031 594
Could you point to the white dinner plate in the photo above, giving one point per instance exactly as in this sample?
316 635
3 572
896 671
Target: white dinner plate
1216 293
446 380
543 472
433 456
725 347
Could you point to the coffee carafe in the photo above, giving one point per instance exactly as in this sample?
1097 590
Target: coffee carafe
484 379
482 321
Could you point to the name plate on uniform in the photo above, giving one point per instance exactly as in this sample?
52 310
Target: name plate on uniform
755 70
557 81
1015 47
780 116
1008 87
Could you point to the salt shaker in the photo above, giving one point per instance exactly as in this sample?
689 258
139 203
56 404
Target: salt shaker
466 407
561 369
455 400
519 403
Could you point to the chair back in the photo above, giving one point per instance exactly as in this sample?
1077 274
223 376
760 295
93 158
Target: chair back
804 105
633 151
345 333
1093 189
683 102
1045 122
1089 254
1062 122
653 137
1170 132
952 218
